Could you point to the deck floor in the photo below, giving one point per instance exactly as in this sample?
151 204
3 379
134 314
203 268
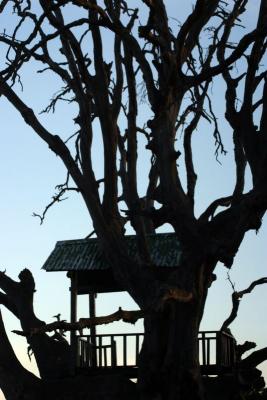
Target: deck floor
132 372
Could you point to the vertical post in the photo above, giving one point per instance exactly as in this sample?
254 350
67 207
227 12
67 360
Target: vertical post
113 352
73 319
219 345
136 349
92 314
100 351
203 339
125 350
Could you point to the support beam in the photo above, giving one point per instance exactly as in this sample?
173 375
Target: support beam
92 314
73 318
92 311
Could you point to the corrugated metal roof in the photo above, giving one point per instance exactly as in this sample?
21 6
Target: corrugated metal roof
85 254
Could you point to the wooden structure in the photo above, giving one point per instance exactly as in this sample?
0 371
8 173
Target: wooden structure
90 274
119 352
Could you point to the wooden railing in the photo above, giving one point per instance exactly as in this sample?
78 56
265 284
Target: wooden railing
216 350
109 350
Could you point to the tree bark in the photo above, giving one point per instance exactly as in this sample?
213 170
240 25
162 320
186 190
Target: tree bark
168 364
169 361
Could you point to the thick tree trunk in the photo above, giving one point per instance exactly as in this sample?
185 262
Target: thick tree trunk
168 364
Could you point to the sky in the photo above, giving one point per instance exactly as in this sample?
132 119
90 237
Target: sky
29 172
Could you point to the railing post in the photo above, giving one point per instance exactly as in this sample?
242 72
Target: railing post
75 361
92 314
232 355
93 352
113 352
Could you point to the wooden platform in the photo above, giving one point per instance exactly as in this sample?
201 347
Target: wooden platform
118 353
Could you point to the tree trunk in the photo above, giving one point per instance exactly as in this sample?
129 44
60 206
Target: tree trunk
168 364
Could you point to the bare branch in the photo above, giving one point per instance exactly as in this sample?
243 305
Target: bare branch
54 141
236 296
243 348
210 211
57 198
254 359
242 46
120 315
2 5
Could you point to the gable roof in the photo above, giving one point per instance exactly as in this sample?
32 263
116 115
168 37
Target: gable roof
85 254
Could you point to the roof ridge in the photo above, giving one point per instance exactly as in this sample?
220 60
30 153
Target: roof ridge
90 240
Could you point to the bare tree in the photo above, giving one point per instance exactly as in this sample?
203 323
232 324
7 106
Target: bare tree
175 67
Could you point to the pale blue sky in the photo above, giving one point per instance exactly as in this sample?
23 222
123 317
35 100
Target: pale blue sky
28 174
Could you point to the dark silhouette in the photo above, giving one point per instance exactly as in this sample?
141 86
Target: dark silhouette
174 65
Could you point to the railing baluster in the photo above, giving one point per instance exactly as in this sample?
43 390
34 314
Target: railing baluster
105 357
78 362
87 350
90 353
79 358
125 350
100 351
82 353
208 351
136 349
203 349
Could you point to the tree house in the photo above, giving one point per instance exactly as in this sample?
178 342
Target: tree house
90 273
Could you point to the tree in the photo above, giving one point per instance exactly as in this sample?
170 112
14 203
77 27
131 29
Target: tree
174 65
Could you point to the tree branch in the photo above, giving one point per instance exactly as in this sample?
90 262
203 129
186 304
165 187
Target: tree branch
254 359
53 141
242 46
120 315
15 380
131 317
236 296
